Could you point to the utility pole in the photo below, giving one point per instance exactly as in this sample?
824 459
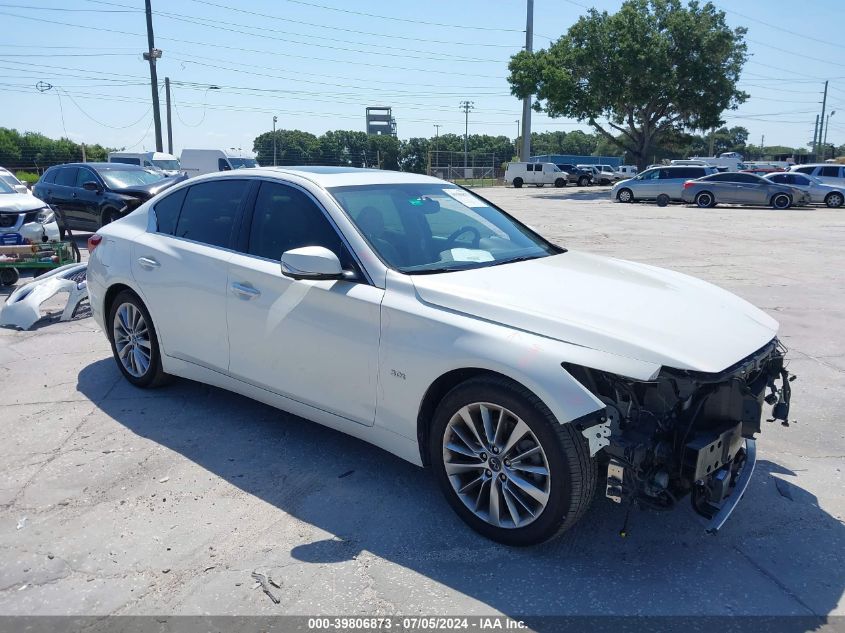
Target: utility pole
526 103
151 56
436 137
274 139
762 142
821 120
466 106
712 132
169 125
516 142
84 159
815 134
824 144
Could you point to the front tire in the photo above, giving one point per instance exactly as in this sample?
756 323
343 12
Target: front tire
583 181
625 195
134 342
517 183
781 201
560 182
834 200
507 467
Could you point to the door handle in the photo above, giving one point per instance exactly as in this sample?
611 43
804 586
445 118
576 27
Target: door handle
148 263
245 291
73 195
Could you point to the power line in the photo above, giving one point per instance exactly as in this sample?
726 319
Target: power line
346 30
790 31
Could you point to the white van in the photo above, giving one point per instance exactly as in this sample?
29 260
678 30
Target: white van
161 161
196 162
537 174
628 171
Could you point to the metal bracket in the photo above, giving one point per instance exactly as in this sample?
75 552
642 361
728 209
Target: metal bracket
597 436
615 479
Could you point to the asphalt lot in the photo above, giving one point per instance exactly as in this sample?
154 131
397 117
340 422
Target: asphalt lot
120 501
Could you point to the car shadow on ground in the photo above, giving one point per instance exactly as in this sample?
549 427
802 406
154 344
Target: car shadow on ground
575 193
780 554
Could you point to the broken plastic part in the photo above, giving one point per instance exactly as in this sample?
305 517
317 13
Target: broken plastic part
23 307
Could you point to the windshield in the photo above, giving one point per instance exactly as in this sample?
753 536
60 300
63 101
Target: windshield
240 163
430 228
117 179
5 187
171 165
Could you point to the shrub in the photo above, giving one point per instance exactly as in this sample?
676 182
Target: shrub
30 177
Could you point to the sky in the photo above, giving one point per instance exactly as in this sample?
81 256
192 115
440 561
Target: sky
317 64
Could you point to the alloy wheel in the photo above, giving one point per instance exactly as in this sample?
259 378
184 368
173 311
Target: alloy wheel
496 465
132 340
835 200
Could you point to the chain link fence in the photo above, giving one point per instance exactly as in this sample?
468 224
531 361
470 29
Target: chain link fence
474 168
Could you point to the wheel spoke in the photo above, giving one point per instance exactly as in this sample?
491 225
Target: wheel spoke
124 350
458 468
142 342
463 450
520 501
512 509
500 426
471 445
471 484
495 519
531 468
517 434
466 416
487 422
530 489
526 454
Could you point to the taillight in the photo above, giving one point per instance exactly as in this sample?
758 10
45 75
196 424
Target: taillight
688 184
94 242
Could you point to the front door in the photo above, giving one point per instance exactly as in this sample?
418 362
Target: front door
313 341
183 269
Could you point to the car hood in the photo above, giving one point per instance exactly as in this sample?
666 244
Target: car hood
148 191
615 306
19 203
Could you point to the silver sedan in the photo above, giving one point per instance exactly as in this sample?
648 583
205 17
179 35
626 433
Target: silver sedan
741 188
820 192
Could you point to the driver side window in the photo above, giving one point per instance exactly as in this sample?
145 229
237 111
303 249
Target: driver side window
286 218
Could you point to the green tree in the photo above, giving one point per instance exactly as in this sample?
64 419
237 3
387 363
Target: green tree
652 66
293 147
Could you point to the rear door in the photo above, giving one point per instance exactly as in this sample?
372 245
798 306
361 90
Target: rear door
61 196
182 269
831 175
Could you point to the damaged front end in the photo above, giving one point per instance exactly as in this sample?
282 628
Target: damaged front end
687 432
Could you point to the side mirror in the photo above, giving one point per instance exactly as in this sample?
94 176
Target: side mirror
311 262
91 186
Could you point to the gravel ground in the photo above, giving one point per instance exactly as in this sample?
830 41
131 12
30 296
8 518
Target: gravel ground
120 501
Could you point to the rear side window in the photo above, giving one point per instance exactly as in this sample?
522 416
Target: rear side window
805 170
209 211
831 172
167 212
67 176
783 179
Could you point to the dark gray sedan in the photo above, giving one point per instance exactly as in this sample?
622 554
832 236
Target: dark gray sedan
741 188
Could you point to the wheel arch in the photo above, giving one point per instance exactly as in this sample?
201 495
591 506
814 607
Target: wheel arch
437 391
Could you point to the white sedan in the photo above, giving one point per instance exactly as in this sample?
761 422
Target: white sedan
415 315
821 193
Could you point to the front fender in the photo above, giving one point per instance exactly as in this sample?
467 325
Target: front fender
420 343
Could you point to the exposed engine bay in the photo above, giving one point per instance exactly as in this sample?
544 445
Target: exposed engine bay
688 432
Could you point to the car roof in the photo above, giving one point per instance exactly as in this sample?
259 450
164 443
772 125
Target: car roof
105 166
333 176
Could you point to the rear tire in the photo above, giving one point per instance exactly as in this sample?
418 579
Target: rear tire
662 200
781 201
834 200
134 342
705 200
583 181
517 183
560 182
532 506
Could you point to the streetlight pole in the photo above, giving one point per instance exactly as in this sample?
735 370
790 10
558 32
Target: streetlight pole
274 140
